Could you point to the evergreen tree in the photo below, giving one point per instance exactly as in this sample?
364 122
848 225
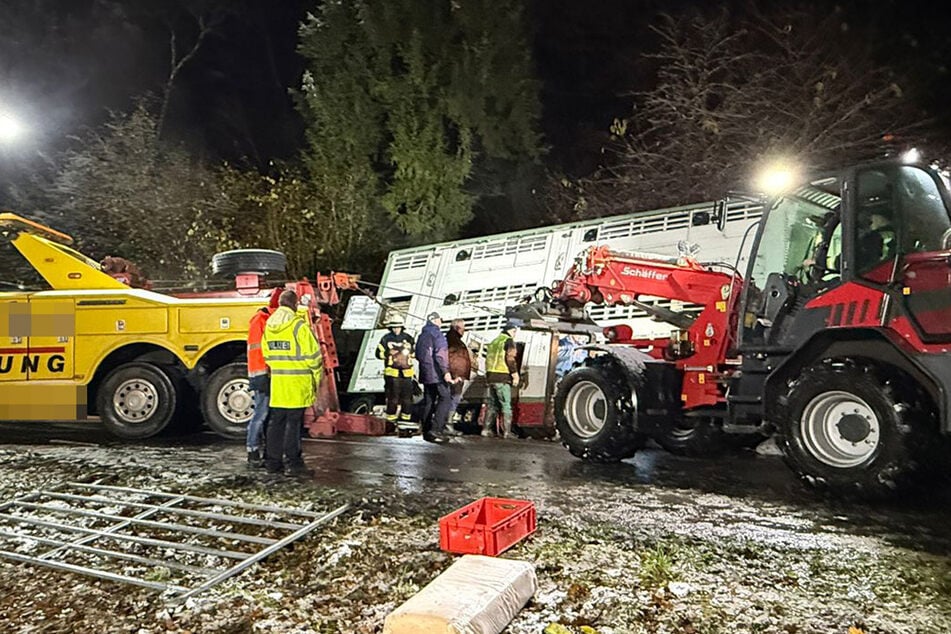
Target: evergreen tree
403 101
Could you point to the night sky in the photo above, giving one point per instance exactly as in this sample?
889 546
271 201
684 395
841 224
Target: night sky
65 64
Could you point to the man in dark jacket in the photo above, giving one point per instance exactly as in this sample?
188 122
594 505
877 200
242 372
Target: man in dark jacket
432 353
460 366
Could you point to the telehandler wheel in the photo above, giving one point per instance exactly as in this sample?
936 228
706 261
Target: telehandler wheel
693 437
846 427
136 400
594 415
227 402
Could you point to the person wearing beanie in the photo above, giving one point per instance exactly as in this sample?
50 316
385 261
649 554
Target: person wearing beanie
259 381
501 373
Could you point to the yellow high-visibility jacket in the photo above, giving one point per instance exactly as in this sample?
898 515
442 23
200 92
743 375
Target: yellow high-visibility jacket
292 353
500 361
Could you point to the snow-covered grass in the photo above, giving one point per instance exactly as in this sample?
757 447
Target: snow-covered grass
609 558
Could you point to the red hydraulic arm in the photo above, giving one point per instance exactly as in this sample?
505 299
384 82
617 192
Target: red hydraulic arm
325 417
699 347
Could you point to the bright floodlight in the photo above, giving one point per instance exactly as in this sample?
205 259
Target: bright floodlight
911 156
776 178
10 128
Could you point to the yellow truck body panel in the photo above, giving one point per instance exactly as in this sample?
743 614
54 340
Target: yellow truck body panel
54 343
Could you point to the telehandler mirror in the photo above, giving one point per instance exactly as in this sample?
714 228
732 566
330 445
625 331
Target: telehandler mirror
719 214
946 240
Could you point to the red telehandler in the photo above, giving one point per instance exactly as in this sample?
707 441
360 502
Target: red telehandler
837 338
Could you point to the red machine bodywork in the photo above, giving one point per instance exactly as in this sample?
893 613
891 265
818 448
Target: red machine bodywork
324 418
924 325
604 276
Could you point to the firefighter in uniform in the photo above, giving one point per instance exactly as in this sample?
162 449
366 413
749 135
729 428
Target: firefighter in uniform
396 351
259 381
293 354
501 373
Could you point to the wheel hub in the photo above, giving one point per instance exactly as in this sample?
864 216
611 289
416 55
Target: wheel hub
840 429
586 409
135 400
853 427
235 401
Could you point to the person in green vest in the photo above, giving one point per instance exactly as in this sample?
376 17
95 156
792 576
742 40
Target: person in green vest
501 373
292 353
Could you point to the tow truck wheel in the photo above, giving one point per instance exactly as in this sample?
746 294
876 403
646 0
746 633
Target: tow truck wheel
136 400
845 427
697 437
227 402
593 414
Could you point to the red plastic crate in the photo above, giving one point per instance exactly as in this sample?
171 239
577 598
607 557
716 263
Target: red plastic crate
487 527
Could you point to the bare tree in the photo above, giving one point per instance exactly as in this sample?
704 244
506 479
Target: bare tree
124 192
205 23
733 93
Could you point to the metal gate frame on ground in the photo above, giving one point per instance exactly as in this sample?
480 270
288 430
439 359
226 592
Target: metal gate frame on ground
195 517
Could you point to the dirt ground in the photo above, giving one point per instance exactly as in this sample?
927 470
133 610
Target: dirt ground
610 558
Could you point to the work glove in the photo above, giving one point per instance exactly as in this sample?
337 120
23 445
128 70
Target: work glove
515 379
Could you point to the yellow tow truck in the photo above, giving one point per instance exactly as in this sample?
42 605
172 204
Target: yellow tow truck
91 345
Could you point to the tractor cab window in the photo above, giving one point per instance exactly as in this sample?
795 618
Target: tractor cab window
802 238
798 254
899 210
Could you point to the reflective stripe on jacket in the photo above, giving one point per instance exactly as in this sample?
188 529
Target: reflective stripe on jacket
396 350
256 365
293 355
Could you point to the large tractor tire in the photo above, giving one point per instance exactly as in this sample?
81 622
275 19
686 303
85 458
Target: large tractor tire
262 261
136 400
227 403
595 416
850 428
694 437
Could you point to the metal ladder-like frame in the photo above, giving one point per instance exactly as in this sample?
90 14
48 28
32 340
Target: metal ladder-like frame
139 528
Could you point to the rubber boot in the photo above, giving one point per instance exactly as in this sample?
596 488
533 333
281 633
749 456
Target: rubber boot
507 427
255 459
